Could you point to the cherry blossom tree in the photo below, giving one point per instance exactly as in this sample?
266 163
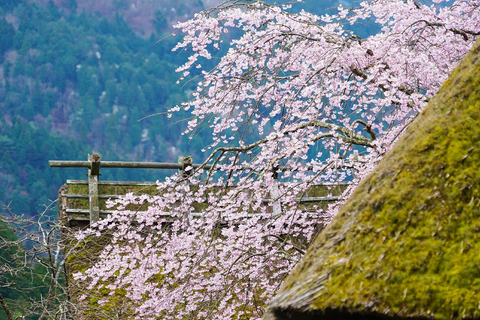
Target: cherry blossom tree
295 99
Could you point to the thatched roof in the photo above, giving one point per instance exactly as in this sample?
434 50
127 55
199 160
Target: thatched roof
406 244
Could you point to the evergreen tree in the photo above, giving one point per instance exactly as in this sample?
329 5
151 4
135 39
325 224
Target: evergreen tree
6 40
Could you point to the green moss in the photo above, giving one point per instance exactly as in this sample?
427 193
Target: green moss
108 190
116 305
406 243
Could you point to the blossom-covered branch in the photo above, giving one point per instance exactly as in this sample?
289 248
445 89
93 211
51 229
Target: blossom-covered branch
295 96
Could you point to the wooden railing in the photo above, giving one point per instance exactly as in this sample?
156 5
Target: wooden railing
84 201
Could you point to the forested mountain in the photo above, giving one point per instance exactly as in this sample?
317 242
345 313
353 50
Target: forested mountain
73 82
143 16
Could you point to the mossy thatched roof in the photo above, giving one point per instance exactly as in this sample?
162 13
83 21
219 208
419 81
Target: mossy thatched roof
407 243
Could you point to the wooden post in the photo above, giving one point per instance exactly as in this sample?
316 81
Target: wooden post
275 194
93 174
185 161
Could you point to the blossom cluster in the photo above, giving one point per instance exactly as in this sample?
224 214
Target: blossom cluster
295 99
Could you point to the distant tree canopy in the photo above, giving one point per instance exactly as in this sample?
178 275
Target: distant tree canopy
76 83
6 40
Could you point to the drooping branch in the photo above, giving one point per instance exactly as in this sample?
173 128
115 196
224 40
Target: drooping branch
347 135
367 126
464 33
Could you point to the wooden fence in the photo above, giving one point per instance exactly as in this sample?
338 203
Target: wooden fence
84 201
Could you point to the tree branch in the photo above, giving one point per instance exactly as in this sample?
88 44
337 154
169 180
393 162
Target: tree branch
5 308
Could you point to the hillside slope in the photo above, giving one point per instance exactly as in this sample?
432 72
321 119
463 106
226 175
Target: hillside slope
76 83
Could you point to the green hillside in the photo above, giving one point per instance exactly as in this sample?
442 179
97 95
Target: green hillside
73 83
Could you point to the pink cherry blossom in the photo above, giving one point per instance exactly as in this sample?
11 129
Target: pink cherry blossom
295 99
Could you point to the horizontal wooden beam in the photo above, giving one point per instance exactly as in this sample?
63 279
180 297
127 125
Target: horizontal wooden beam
82 214
121 164
155 165
299 200
317 199
85 196
69 164
112 183
136 183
